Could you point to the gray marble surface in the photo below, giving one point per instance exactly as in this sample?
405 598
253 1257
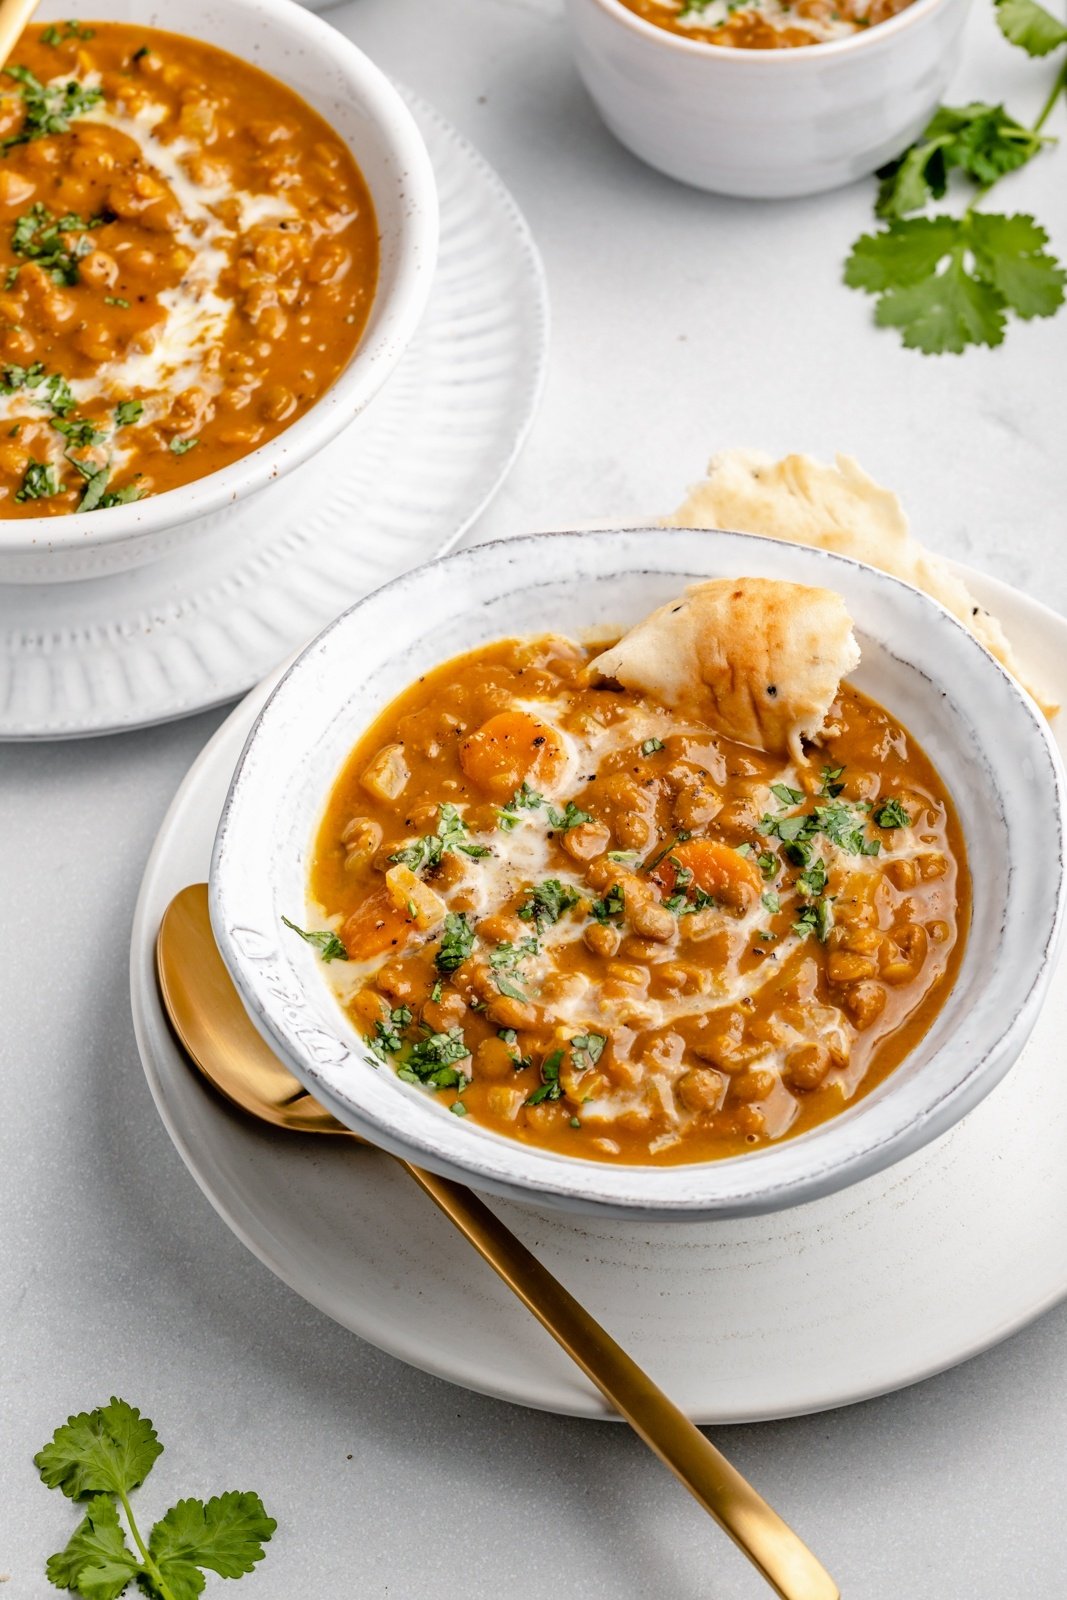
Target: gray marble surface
681 323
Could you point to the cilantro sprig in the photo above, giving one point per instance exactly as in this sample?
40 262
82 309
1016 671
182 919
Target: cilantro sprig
948 282
100 1457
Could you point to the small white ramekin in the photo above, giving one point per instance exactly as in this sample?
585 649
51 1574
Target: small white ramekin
991 745
287 41
766 124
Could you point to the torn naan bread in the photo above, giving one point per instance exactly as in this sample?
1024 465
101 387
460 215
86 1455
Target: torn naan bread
837 508
757 660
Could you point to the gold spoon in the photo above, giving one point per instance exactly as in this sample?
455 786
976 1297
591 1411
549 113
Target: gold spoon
14 15
220 1040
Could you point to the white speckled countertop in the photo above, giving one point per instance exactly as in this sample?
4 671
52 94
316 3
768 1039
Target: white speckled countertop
681 323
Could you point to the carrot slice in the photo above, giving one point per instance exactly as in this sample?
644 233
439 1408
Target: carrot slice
716 868
510 749
376 927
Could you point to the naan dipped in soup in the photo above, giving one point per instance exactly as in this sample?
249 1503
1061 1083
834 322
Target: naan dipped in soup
628 905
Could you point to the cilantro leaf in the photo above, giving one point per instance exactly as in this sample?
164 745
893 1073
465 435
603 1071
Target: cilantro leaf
546 902
904 253
457 941
97 1561
39 482
1030 26
224 1535
891 814
326 942
550 1087
432 1060
569 818
451 835
110 1450
48 107
128 411
612 905
945 313
1009 253
388 1040
587 1049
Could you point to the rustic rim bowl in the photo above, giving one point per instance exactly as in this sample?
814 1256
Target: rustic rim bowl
991 744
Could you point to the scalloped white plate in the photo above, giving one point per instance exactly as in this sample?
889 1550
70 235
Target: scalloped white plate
396 489
875 1287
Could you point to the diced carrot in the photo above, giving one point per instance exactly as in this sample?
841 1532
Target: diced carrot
716 868
376 927
510 749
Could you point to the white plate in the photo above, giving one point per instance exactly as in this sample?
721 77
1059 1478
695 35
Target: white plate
397 488
849 1297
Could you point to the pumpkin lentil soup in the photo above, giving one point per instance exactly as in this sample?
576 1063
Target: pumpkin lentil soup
596 925
188 255
765 24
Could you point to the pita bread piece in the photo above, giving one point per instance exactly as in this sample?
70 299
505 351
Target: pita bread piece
756 660
838 508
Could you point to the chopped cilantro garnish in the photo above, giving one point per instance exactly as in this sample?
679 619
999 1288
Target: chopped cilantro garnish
550 1087
787 796
525 798
388 1040
681 837
831 785
507 958
817 918
546 902
569 818
771 902
325 941
625 857
39 482
458 1109
586 1049
97 496
139 55
432 1060
612 905
451 835
652 746
116 300
178 447
891 814
80 434
128 411
56 243
812 881
54 36
48 107
456 943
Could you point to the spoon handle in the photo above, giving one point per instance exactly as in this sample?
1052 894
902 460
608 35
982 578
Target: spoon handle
769 1543
14 15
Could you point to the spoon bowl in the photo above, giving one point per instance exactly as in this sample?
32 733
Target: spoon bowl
220 1040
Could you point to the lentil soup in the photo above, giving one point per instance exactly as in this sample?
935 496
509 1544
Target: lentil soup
188 255
765 24
597 926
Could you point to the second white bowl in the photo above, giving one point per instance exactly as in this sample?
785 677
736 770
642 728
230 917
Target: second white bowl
766 124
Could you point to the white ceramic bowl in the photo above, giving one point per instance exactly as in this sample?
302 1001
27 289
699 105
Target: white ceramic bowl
990 743
287 41
766 124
